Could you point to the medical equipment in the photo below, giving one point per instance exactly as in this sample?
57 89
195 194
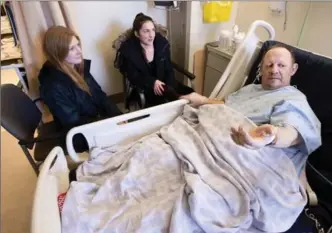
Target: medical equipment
231 40
237 40
53 179
166 3
217 11
225 39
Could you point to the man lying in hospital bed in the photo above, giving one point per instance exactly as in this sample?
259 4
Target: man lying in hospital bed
191 176
283 113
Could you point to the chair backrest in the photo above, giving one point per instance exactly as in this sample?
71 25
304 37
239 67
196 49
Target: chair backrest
19 115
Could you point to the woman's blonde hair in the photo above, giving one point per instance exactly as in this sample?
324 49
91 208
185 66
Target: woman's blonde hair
56 44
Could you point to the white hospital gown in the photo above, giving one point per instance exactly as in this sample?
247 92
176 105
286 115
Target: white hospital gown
284 106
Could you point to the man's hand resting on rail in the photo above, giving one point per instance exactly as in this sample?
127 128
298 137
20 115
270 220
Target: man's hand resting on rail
280 137
197 100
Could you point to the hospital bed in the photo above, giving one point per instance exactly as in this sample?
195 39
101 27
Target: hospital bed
54 175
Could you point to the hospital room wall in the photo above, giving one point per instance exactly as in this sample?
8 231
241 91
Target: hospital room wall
98 24
316 35
201 33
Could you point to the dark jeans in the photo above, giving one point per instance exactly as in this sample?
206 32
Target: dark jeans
169 94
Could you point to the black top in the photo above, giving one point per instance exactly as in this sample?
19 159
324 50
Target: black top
134 64
70 105
152 68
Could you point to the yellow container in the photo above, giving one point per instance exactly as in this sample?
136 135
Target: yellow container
217 11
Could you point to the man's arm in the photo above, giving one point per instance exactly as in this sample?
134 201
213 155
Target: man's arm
303 127
260 136
198 100
286 137
215 101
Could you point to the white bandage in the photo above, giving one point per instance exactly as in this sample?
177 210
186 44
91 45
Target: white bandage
259 142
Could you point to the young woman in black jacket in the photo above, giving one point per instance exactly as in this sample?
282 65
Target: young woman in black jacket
66 84
147 63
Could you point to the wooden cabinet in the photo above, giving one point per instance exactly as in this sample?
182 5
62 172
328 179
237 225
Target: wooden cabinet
216 63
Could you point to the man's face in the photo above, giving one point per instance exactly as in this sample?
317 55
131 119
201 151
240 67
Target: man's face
277 68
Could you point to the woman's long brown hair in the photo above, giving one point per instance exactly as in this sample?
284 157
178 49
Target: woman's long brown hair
56 44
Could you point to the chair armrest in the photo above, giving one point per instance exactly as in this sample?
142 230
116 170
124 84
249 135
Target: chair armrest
142 98
48 137
180 69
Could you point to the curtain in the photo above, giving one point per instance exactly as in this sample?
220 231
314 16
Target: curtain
32 19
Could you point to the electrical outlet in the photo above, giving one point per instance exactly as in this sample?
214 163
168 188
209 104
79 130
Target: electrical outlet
277 7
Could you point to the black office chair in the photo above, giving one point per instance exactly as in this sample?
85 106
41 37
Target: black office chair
21 118
134 96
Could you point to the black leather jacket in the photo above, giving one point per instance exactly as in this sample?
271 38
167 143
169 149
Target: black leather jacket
69 105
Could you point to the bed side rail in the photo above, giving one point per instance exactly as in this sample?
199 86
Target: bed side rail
113 130
53 179
238 68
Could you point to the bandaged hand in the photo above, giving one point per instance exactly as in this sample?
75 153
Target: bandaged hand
256 138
